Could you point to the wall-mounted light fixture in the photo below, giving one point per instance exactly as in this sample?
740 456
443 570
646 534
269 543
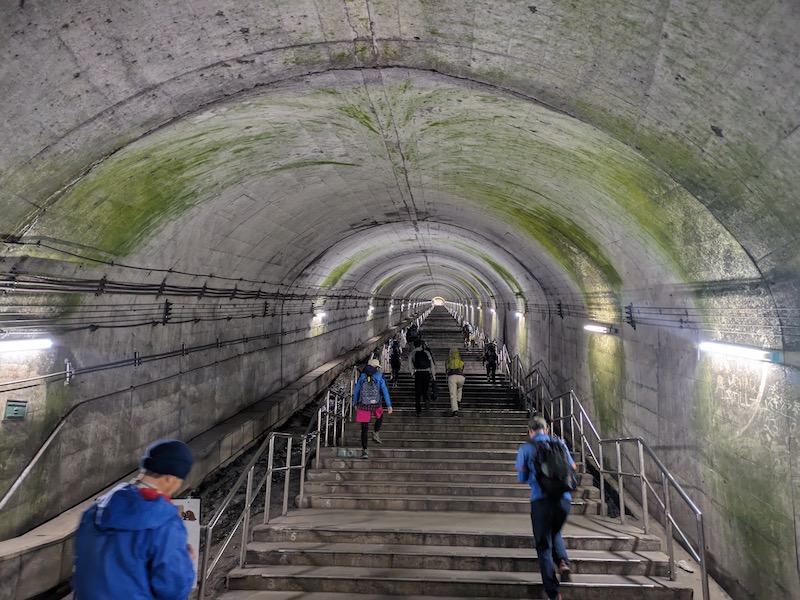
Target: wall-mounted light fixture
594 328
25 345
520 314
371 308
493 310
321 315
740 351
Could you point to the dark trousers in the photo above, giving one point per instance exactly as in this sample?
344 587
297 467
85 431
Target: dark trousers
422 386
491 371
547 519
365 431
395 364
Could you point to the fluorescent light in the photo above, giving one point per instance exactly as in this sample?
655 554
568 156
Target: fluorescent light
320 315
493 311
520 314
371 308
738 351
596 328
22 345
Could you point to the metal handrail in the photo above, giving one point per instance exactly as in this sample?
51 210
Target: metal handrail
246 478
332 415
567 414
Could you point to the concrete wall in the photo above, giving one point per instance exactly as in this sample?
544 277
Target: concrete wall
118 411
38 561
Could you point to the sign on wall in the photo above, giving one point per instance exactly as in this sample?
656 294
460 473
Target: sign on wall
189 510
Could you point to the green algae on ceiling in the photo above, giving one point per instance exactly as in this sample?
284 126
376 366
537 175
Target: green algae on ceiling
501 271
547 174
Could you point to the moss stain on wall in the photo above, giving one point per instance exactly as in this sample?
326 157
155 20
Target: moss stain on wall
745 476
337 273
606 355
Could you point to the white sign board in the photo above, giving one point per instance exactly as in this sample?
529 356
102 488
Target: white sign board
189 510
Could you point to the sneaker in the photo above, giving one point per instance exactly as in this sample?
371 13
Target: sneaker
377 438
564 568
364 454
455 413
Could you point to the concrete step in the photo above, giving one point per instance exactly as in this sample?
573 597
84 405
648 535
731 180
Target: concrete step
257 595
395 441
412 475
397 486
444 454
353 461
445 529
398 556
477 504
439 582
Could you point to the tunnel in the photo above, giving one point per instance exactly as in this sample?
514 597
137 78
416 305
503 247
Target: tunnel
204 202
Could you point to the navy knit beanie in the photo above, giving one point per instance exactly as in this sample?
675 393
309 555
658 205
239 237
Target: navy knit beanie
168 457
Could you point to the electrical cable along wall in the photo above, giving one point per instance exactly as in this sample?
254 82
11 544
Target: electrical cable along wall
133 359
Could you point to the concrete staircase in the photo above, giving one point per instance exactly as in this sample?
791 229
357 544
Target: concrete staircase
437 512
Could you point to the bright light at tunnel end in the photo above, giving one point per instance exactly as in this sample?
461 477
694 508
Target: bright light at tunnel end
25 345
740 351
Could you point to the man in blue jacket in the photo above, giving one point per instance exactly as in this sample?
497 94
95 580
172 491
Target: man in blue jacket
548 515
131 543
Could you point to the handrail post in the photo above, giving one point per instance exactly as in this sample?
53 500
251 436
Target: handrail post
643 482
203 574
572 417
319 435
302 472
701 542
620 484
286 477
268 494
248 499
327 415
583 445
603 511
668 526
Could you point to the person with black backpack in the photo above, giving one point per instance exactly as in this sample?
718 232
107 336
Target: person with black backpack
367 401
545 463
413 334
490 361
395 359
422 368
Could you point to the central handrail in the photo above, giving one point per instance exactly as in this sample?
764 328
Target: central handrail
334 411
246 478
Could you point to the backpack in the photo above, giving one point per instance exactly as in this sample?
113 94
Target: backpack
552 466
369 395
421 360
491 355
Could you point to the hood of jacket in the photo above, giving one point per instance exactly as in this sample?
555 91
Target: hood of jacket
370 371
124 509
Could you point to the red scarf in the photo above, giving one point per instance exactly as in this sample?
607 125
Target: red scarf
151 494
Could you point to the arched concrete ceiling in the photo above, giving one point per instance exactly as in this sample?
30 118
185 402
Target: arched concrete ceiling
584 147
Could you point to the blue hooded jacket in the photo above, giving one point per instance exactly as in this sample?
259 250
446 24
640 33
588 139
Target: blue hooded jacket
132 548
